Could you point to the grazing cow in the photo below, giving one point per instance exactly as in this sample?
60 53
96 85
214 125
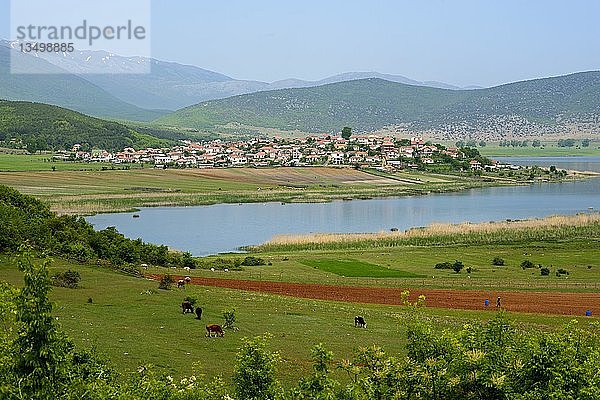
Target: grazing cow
359 322
214 328
187 279
186 306
181 284
198 312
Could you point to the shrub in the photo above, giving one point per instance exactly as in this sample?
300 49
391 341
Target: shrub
69 279
562 271
527 264
165 282
443 265
457 266
469 270
191 299
254 372
229 317
499 261
545 271
253 261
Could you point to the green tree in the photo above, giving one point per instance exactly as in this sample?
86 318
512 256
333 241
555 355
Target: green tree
254 372
318 386
346 132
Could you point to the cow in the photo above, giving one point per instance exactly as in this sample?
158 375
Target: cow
214 328
181 284
359 322
198 312
186 306
187 279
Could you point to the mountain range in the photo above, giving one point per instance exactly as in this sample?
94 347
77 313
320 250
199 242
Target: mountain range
169 86
371 104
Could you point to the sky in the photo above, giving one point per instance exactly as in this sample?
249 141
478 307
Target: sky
460 42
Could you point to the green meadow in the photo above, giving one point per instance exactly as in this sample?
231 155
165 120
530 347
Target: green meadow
130 322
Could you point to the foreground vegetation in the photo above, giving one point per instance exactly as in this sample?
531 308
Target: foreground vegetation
490 360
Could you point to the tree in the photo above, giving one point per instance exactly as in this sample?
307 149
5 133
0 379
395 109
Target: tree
458 266
585 143
254 372
346 132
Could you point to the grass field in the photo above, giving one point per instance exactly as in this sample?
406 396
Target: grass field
87 192
354 268
132 323
43 162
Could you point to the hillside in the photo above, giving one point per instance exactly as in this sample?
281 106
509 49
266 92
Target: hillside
41 126
371 104
51 85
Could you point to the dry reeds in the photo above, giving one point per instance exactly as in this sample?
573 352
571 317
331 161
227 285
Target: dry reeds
556 227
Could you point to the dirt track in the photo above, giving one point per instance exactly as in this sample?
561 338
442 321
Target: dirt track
557 303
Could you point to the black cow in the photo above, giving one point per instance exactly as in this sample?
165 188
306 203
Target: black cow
198 312
359 322
186 306
181 284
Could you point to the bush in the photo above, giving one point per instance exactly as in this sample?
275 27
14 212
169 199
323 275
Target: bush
527 264
165 282
469 270
499 261
545 271
69 279
457 266
253 261
443 265
562 271
229 317
191 299
254 371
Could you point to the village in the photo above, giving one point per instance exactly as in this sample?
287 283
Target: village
369 151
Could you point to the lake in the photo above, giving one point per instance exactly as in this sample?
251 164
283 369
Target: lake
204 230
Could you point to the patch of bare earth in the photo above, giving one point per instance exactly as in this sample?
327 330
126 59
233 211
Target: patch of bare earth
554 303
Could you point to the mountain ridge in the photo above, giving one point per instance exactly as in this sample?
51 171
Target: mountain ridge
374 103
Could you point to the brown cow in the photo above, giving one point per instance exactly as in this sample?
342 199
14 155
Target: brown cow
214 328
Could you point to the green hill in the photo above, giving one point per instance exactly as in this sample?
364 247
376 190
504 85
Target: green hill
42 126
371 104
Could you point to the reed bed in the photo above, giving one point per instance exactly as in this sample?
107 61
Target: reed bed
558 227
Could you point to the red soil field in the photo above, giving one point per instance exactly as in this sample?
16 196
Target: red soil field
555 303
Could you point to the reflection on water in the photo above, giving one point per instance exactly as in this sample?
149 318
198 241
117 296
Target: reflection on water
218 228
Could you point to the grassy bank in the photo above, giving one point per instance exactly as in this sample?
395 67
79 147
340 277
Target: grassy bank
87 192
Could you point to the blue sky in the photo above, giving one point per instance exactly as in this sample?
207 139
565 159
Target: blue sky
460 42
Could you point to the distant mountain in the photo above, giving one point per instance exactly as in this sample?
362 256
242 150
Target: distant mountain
172 86
371 104
42 126
52 85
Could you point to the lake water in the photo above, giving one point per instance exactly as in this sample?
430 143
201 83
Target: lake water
204 230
